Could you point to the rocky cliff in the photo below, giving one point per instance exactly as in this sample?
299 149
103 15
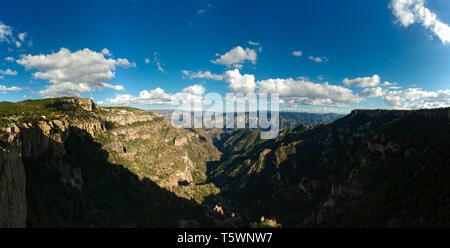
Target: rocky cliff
67 150
13 208
372 168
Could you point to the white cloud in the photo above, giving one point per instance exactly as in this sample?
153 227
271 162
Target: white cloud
5 89
106 52
201 11
71 74
5 32
253 43
125 63
147 60
158 64
411 98
120 99
10 59
158 97
363 82
395 87
386 83
415 98
297 53
372 92
8 72
114 87
195 89
318 59
236 57
309 93
22 36
240 83
202 74
408 12
152 97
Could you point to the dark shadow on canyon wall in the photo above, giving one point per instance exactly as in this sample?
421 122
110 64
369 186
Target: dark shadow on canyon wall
82 189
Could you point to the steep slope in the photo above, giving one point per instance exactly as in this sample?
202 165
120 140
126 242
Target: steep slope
13 211
372 168
151 148
72 179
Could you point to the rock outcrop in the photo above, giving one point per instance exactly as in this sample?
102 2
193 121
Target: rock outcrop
372 168
13 207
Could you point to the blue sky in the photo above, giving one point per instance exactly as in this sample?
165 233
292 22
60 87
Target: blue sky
393 53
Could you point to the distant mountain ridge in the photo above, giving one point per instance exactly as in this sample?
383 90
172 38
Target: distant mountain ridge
287 119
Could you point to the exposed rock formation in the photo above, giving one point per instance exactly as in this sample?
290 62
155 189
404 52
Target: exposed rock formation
142 143
13 208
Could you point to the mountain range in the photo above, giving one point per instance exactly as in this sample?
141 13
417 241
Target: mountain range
67 162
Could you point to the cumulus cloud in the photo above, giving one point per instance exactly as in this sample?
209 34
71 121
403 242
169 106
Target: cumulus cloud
297 53
22 36
318 59
416 98
125 63
408 12
309 93
411 98
5 32
10 59
202 74
8 72
106 52
363 82
114 87
147 60
372 92
238 83
386 83
71 74
152 97
158 97
195 89
6 89
236 57
253 43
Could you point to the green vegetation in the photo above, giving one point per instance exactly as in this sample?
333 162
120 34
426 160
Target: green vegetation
369 169
32 111
111 195
265 223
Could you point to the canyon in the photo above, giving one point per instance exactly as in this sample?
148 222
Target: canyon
67 162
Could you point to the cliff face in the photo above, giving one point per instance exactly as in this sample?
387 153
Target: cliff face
42 137
13 208
372 168
96 166
152 148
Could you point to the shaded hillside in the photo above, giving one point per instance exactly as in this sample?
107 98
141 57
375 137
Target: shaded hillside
68 163
81 167
372 168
